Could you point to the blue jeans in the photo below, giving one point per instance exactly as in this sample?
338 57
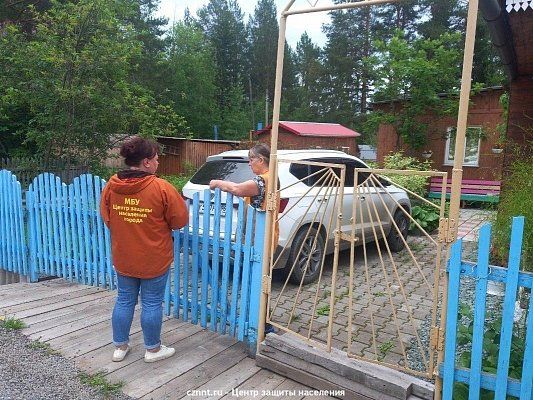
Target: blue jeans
152 293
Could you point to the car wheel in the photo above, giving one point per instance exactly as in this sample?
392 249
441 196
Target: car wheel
396 243
314 256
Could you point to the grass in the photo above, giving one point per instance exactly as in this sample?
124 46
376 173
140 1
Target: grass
38 345
11 323
99 381
384 349
324 310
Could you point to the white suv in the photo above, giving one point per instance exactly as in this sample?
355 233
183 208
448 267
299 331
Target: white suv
295 221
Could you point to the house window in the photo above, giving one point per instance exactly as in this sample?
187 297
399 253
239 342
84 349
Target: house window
472 143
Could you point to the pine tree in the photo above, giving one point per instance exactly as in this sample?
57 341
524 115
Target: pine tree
222 21
191 78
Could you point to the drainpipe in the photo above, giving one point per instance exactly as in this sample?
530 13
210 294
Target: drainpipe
497 22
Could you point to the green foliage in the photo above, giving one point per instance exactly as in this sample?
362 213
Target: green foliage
384 349
415 73
12 323
99 381
491 348
426 216
73 78
178 181
516 199
38 345
415 183
323 310
191 74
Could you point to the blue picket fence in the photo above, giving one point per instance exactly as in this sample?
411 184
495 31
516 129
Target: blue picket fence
13 247
495 381
216 277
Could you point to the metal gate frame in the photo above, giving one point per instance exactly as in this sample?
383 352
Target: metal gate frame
459 145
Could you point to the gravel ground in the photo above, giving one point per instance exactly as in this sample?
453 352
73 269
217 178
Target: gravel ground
33 372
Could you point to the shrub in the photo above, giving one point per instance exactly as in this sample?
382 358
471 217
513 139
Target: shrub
415 183
516 199
178 181
491 348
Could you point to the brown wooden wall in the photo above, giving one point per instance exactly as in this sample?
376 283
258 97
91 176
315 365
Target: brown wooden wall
484 111
179 154
290 141
520 126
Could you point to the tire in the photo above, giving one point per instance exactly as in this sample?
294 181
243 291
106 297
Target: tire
394 240
313 269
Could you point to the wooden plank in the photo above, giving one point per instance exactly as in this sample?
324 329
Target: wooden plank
526 388
83 295
92 312
451 323
226 258
222 385
511 286
319 377
288 389
21 288
38 295
252 388
195 258
306 378
85 340
100 359
200 374
61 311
245 280
190 352
215 261
479 311
237 270
184 342
205 258
57 331
96 336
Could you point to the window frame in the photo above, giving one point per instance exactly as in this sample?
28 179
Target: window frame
450 163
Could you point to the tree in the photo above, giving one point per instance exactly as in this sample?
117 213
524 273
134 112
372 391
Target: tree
222 21
191 75
411 76
310 71
150 32
73 76
263 31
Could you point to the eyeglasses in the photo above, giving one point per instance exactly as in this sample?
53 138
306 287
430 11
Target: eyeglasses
252 158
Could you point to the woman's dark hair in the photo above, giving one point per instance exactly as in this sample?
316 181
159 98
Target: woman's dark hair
261 150
136 149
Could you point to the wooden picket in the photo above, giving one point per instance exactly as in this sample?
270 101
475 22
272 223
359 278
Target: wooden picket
500 383
67 235
210 288
12 231
216 276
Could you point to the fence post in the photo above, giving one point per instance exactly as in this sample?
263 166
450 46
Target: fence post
256 281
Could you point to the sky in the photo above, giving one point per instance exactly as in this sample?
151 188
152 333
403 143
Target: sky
296 24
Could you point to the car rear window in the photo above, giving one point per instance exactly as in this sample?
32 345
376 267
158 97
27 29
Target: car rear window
236 171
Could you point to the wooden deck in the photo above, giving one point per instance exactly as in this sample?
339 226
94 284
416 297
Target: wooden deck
75 320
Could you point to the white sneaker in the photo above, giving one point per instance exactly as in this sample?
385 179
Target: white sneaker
164 352
119 354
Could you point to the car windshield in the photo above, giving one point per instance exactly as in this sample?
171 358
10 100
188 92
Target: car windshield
236 171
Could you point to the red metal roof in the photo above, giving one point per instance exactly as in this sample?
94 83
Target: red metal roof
321 129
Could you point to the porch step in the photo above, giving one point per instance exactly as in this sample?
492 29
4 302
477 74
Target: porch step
336 373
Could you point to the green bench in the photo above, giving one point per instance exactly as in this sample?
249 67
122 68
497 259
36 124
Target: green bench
471 190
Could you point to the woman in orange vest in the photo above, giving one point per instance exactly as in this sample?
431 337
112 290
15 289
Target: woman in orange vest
141 210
